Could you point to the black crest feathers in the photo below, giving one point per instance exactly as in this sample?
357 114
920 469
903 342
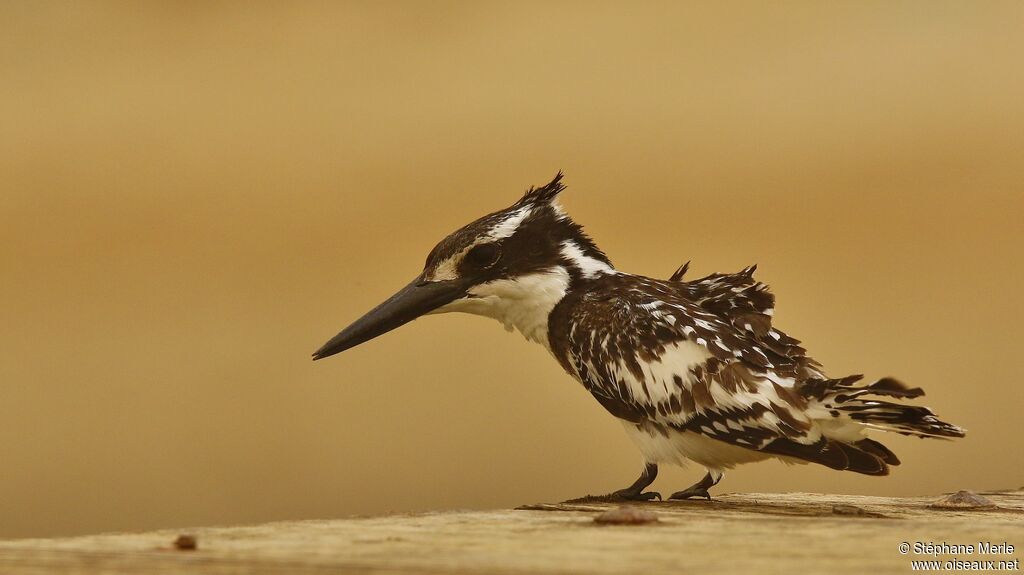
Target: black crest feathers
679 273
544 194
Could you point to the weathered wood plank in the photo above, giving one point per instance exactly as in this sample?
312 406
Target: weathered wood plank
748 533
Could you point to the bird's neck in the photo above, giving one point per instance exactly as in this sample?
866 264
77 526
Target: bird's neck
524 303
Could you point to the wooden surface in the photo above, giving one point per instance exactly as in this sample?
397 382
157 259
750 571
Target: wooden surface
748 533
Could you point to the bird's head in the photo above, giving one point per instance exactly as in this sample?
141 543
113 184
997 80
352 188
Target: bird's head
514 265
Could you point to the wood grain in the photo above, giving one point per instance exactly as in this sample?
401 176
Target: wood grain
739 533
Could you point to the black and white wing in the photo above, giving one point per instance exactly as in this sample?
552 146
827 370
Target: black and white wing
699 357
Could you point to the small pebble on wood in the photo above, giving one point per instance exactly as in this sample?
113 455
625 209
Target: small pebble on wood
964 500
844 509
626 515
185 543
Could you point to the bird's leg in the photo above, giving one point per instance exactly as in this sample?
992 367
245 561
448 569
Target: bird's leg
636 491
700 489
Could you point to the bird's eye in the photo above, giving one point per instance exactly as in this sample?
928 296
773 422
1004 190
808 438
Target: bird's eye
483 255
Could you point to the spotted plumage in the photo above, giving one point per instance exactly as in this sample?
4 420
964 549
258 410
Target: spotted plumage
695 370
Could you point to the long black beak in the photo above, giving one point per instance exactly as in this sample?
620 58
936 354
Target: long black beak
412 301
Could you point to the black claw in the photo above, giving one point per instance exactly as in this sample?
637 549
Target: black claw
699 489
630 495
690 493
636 491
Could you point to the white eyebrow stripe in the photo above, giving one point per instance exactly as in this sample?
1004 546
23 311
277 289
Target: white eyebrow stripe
509 225
448 269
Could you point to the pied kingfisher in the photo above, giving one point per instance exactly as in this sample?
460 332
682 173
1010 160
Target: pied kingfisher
694 370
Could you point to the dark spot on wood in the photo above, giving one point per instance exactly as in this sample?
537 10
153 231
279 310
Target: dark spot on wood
186 543
843 509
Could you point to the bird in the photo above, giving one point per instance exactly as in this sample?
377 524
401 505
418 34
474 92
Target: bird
695 370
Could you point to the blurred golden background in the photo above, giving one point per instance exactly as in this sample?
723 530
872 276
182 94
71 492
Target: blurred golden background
195 196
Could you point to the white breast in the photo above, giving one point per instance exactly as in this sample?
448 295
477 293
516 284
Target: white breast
521 304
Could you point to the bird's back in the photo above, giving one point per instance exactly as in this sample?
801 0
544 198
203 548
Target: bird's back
702 357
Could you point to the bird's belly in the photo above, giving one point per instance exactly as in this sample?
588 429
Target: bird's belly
665 445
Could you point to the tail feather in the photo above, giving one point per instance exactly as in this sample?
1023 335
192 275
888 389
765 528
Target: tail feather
844 409
863 461
843 398
832 453
878 450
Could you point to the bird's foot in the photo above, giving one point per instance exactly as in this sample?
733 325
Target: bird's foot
691 493
636 495
699 489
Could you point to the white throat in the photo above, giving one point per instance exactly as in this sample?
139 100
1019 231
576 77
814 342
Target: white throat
522 304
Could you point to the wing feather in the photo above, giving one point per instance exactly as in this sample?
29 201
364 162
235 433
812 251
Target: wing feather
698 356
